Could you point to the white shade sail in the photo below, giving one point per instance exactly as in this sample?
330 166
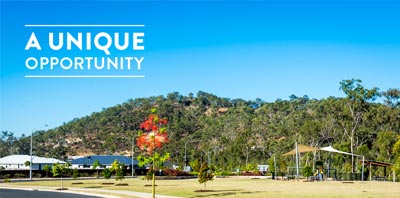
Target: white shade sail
331 149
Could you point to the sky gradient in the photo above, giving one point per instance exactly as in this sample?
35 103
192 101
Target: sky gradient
248 50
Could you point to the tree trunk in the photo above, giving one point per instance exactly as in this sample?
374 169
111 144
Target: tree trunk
153 191
352 151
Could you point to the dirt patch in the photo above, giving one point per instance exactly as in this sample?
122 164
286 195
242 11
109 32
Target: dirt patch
61 188
204 191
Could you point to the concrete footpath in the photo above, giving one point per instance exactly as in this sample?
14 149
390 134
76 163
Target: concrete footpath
86 191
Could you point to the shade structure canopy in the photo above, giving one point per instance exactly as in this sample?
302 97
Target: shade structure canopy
301 149
333 150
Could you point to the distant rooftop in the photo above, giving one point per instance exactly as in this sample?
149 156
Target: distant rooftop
104 160
21 159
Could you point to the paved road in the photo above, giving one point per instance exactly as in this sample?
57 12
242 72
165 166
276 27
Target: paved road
80 192
12 193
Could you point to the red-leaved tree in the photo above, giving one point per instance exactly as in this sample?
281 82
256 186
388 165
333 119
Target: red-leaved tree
150 141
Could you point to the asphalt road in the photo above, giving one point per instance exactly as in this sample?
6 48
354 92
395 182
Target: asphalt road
8 193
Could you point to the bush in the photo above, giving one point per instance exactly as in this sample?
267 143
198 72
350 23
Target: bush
119 175
19 175
195 164
107 173
224 173
307 171
193 173
84 174
172 172
7 178
250 173
75 174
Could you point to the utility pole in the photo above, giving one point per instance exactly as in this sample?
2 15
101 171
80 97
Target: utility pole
133 153
297 161
30 164
186 151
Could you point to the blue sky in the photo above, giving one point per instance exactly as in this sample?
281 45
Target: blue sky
248 50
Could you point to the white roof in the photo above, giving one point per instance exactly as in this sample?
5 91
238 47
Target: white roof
331 149
21 159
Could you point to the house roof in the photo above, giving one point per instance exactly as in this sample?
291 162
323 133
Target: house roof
21 159
104 160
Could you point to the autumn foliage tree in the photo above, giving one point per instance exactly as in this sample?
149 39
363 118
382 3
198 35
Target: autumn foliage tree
205 174
151 140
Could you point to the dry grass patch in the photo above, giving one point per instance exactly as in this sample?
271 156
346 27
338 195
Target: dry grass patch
243 187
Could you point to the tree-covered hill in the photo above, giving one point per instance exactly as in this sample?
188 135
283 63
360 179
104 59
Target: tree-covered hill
234 132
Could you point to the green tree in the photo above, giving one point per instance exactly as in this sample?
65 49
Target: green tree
106 173
75 174
356 105
47 169
96 166
27 163
392 97
151 141
271 167
205 174
117 168
307 171
195 164
384 145
396 152
60 170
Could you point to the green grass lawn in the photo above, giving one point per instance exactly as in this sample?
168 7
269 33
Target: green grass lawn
240 187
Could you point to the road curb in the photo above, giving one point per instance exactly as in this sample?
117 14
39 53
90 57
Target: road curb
58 191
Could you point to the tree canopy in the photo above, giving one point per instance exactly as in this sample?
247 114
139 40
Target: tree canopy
233 133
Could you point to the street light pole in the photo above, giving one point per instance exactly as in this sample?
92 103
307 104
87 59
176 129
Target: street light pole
30 164
133 153
186 154
186 151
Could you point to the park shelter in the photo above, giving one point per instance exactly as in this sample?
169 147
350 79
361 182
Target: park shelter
300 148
371 163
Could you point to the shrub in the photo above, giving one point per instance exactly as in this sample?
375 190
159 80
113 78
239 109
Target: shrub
107 173
119 175
19 175
172 172
7 178
75 174
307 171
195 164
149 174
251 173
224 173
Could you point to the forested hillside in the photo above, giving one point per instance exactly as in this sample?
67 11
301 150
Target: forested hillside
234 132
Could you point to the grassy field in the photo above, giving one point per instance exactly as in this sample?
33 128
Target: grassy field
241 187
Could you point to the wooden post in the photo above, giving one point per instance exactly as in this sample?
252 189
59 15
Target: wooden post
297 161
362 173
370 171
